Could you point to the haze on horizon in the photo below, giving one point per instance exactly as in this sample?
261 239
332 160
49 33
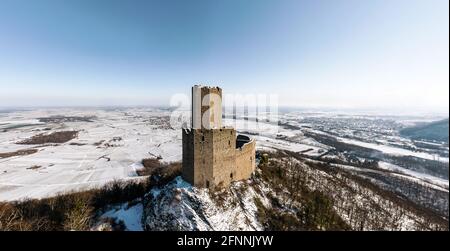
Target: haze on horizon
313 53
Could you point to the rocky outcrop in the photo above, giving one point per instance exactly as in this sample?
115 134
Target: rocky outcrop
179 206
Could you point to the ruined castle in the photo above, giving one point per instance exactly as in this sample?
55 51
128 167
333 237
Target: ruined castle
212 154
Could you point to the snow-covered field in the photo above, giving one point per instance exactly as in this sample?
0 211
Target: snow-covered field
270 136
395 150
112 144
111 147
429 179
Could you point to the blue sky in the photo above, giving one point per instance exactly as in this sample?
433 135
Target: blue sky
318 53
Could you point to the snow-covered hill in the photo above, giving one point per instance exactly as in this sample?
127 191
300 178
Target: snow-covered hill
179 206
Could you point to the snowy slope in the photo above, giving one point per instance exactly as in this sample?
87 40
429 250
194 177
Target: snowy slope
86 161
179 206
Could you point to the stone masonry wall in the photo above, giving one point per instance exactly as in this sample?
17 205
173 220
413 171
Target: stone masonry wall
245 160
224 156
210 157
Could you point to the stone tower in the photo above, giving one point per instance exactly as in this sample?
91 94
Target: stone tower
206 107
212 155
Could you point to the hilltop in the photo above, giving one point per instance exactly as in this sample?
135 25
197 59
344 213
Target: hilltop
434 131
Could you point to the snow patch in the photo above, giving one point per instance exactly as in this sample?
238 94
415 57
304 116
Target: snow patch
131 216
180 206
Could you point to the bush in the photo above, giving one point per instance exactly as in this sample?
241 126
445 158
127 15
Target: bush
75 211
78 217
160 172
55 137
18 153
274 219
317 213
150 166
310 210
